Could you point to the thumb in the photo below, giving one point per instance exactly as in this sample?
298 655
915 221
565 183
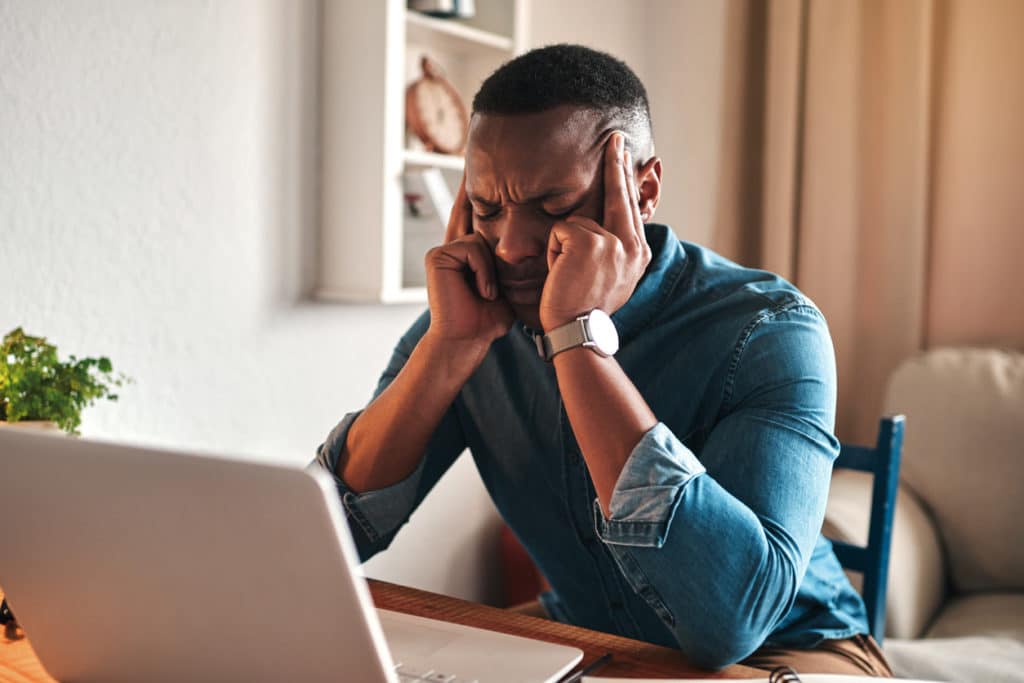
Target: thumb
460 222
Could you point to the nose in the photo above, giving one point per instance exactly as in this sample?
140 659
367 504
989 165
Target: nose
520 239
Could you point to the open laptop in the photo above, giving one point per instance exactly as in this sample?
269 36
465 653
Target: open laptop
138 564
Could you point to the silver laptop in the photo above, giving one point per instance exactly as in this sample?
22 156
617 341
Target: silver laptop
137 564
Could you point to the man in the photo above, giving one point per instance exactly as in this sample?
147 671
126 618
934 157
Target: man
672 491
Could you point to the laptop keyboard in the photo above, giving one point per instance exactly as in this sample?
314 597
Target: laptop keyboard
409 674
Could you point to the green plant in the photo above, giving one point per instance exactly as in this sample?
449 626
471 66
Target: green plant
36 385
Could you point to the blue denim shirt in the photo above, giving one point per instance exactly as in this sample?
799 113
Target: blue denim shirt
714 541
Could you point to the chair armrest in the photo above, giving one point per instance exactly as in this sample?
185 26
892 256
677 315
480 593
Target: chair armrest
917 574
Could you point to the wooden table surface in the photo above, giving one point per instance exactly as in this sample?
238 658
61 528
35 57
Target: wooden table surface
630 658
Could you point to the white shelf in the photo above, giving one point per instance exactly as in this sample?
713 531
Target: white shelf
402 295
421 28
370 252
414 158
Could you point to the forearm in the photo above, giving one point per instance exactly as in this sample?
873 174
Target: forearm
386 442
726 545
607 413
715 558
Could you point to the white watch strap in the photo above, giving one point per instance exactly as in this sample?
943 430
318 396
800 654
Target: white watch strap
563 338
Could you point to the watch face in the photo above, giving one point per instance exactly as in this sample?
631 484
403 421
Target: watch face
603 332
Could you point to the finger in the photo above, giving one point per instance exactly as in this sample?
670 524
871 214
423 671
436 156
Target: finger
618 216
587 224
638 219
470 255
634 198
554 245
460 222
574 231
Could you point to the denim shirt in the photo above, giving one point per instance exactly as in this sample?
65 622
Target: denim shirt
713 544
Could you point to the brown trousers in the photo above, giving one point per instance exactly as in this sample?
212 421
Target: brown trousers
859 655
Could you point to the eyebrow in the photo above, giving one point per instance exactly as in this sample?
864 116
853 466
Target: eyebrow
554 192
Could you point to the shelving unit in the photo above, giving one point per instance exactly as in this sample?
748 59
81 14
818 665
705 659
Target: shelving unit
415 158
422 29
369 249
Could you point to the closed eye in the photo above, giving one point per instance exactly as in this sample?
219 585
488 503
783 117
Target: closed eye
550 214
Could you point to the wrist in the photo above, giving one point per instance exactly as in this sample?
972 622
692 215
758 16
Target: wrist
455 354
552 321
581 357
593 331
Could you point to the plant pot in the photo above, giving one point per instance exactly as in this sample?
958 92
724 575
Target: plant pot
31 425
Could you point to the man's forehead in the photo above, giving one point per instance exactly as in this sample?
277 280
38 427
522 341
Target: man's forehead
566 127
548 150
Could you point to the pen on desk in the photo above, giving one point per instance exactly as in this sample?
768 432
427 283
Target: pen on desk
589 669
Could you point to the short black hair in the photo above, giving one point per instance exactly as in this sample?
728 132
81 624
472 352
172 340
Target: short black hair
557 75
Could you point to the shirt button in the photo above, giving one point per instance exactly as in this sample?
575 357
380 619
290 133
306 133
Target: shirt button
574 458
615 604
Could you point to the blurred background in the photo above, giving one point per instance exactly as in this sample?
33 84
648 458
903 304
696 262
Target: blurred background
185 184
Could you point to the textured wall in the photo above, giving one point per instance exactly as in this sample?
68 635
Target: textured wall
156 198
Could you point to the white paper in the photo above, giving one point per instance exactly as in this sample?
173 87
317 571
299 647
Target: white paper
805 678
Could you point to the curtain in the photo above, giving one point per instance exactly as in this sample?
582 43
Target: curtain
873 157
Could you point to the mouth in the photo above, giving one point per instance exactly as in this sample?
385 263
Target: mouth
522 292
520 285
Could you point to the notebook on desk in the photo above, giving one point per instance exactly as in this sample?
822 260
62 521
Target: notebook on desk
779 677
138 564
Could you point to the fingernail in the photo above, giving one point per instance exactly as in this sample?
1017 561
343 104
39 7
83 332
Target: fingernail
619 142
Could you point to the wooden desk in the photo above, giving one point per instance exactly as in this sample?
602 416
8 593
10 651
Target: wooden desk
630 658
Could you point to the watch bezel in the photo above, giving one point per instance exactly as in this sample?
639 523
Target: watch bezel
600 332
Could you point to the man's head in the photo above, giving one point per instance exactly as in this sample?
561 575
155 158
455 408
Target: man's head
534 154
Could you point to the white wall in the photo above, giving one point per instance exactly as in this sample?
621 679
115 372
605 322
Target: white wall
157 205
684 76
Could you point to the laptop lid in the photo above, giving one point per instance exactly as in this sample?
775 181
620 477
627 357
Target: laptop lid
139 564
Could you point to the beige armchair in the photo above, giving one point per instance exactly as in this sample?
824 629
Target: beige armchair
955 608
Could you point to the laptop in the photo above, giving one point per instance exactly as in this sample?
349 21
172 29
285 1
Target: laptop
127 563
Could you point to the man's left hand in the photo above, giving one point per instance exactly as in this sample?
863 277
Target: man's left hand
592 266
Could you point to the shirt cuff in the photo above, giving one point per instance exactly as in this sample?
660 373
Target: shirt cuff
648 490
377 512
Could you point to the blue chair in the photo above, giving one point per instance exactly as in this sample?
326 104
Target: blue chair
883 461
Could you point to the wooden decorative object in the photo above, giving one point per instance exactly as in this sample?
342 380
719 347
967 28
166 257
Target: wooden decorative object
435 112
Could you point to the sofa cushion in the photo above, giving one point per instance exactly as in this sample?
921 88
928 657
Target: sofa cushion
982 614
963 456
977 659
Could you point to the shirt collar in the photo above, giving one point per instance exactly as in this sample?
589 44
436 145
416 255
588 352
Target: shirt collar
668 261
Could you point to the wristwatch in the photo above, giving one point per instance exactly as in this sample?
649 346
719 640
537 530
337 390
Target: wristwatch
594 330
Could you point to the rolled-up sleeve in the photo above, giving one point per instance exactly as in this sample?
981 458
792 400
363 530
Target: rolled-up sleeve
719 545
377 512
648 489
376 516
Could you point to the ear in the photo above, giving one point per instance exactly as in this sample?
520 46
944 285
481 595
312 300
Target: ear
648 185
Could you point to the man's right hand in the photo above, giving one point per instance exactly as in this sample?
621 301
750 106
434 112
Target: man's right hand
467 313
466 306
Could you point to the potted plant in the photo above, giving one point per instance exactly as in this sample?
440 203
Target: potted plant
39 391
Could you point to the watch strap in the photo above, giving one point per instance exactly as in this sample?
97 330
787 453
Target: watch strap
568 336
